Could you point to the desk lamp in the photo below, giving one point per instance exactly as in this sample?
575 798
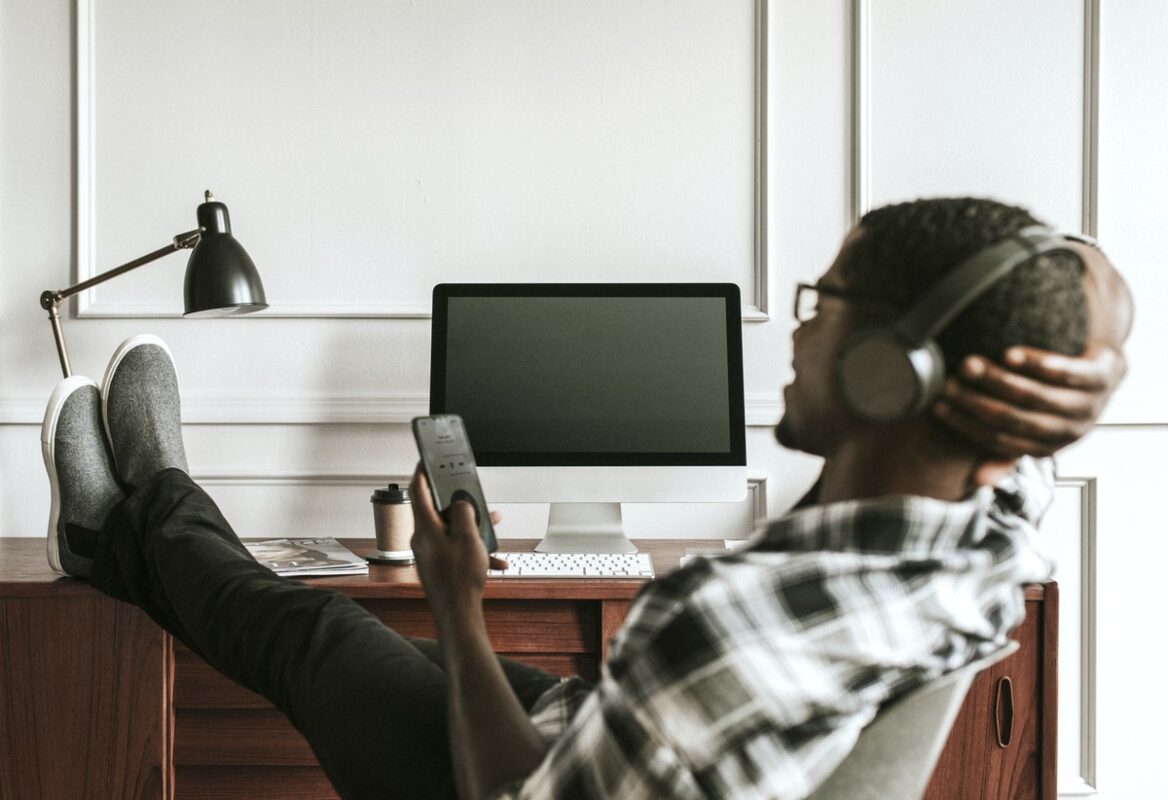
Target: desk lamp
221 279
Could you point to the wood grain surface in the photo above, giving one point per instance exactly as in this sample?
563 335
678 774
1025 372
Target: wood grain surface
85 699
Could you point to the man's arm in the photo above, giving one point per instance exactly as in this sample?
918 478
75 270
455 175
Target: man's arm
1041 401
492 741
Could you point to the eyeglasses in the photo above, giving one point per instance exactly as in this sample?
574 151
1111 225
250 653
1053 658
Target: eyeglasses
807 300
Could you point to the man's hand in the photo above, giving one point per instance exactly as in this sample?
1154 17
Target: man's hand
452 561
1041 403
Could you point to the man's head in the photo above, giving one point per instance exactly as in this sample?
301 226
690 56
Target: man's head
885 266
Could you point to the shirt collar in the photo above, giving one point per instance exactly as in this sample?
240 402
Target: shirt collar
885 525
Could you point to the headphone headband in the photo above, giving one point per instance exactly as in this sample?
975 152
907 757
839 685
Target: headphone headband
972 278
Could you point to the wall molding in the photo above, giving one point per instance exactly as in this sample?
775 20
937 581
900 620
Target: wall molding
756 483
88 308
87 305
761 410
1082 780
264 477
759 311
1090 220
859 187
756 487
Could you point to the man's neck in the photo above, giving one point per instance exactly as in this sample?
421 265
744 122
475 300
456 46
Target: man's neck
910 460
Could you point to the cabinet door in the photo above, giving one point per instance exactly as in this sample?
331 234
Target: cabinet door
83 711
1004 701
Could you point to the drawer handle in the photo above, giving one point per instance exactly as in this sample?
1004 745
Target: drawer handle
1004 712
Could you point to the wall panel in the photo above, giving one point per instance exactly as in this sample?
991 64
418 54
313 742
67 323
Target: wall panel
1069 535
995 108
370 150
1128 602
1133 170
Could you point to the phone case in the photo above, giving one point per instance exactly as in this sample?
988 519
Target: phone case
450 470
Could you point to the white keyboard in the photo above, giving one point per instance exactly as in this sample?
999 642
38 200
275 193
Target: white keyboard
574 565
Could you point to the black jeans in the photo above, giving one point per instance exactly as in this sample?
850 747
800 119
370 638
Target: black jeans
371 703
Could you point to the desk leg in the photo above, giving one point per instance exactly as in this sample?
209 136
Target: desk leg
612 616
84 699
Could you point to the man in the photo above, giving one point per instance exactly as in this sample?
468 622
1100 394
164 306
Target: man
747 675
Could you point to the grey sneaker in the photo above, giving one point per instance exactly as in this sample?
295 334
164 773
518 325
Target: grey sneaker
141 411
81 471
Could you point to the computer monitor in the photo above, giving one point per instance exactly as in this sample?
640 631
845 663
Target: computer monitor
587 395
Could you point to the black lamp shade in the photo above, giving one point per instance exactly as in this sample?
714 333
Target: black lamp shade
221 279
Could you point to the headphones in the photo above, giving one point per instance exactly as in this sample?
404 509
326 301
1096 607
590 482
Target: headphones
892 373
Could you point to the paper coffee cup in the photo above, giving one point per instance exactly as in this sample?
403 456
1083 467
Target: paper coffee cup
393 526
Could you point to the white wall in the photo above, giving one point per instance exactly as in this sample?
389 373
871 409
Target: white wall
371 151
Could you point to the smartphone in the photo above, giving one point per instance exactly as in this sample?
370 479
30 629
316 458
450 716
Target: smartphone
450 469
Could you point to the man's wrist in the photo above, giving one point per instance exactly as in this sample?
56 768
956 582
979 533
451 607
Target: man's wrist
464 641
461 620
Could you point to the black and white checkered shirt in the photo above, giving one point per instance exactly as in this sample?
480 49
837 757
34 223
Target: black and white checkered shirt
750 675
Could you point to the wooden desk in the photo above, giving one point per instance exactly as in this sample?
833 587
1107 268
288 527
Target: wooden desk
96 701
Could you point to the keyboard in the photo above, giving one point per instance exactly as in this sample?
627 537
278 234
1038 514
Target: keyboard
574 565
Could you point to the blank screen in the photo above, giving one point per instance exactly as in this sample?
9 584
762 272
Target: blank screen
591 375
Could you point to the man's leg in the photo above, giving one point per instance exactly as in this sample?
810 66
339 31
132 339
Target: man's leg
371 703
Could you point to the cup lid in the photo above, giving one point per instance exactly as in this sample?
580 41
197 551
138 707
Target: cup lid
391 494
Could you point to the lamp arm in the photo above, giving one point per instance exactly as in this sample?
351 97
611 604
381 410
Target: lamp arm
51 301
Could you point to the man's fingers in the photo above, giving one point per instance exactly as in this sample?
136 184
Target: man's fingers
1002 416
996 441
1098 369
1021 395
983 377
462 518
494 562
425 515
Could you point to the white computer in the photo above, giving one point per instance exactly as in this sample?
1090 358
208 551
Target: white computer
585 396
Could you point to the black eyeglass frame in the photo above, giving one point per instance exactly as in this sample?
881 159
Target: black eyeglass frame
831 291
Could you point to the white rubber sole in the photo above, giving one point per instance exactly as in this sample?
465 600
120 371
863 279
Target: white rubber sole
123 350
48 439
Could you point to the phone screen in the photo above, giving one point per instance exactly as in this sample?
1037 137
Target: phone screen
450 469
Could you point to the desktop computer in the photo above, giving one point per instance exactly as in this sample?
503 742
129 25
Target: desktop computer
585 396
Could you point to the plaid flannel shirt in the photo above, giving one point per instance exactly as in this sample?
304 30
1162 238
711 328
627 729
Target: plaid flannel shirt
750 675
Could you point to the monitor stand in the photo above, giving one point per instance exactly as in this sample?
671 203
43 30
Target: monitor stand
585 528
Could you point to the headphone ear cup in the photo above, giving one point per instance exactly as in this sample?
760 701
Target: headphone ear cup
885 380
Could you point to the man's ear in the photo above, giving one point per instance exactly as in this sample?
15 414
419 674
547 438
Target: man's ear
989 473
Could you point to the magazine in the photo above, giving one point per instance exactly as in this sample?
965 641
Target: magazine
302 557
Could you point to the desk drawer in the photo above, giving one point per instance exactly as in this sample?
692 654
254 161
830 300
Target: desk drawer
197 685
244 753
200 687
251 783
562 637
515 626
251 737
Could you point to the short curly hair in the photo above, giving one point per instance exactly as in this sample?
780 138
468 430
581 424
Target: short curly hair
905 248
